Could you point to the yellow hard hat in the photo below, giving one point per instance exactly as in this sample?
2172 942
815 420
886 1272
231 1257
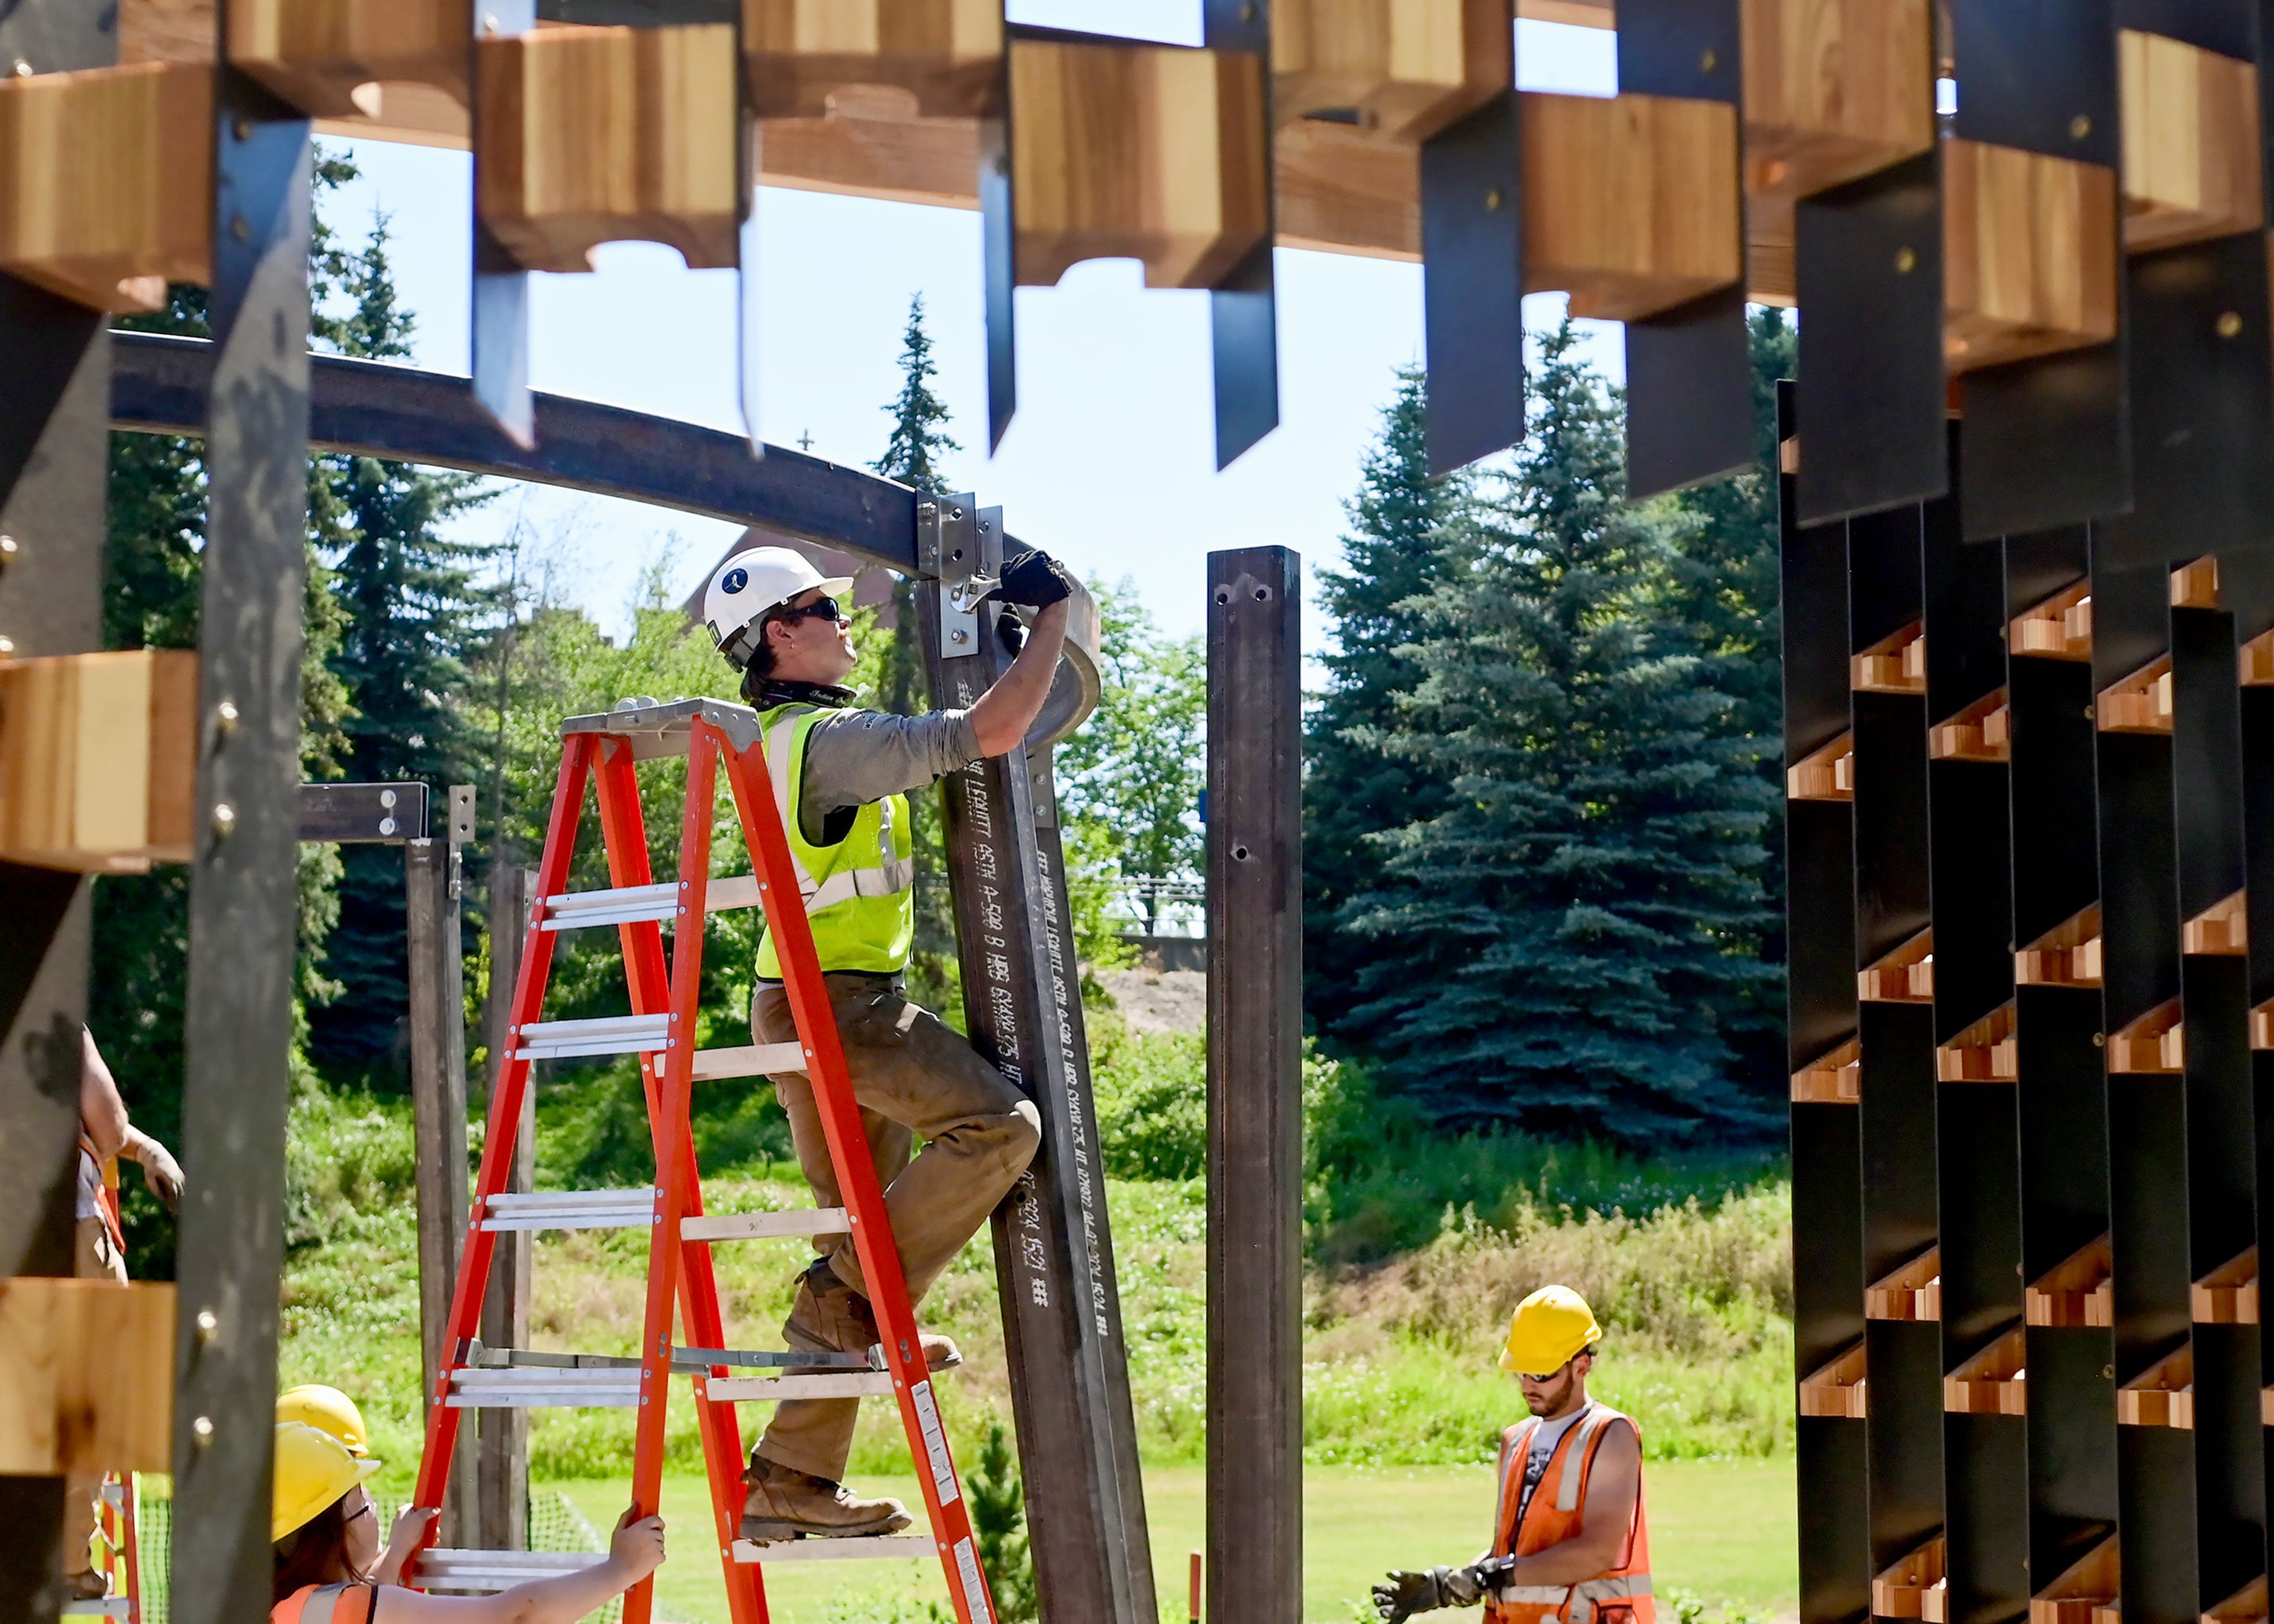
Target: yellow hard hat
1549 1328
313 1468
328 1409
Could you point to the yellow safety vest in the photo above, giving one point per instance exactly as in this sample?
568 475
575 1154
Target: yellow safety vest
860 893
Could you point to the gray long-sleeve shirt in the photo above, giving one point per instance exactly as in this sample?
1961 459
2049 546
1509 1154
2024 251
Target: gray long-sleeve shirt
852 758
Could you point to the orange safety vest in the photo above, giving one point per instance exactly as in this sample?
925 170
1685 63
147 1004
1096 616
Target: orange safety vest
327 1604
1620 1594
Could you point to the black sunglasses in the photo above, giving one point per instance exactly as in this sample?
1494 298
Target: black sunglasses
823 608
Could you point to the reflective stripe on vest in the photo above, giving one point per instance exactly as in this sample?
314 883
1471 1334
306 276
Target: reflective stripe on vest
858 892
1553 1514
322 1604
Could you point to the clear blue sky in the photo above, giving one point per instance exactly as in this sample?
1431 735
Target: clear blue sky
1110 462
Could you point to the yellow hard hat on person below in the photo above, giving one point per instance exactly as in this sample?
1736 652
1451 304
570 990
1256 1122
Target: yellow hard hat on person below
328 1409
1548 1329
313 1468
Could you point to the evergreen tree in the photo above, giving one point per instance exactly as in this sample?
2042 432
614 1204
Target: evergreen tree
914 455
1722 592
1553 940
412 611
999 1518
1408 537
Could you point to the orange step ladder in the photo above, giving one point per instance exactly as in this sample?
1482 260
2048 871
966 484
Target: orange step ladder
661 1028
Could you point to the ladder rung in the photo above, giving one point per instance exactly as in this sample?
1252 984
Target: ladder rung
103 1607
579 909
686 1361
609 1035
751 1060
445 1569
572 1209
831 1384
543 1387
849 1550
765 1226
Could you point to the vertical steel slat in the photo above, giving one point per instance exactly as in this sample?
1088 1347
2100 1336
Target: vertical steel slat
1255 1085
1053 1240
1472 284
238 1026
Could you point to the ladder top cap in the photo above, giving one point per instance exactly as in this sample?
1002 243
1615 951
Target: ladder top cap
658 730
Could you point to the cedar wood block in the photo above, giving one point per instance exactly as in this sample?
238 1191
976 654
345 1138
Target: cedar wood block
87 1377
594 135
2029 254
1834 90
98 759
948 53
1408 68
2191 143
315 53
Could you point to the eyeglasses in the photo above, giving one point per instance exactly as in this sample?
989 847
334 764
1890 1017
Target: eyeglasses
822 608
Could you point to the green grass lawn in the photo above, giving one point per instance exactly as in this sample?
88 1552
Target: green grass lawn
1725 1531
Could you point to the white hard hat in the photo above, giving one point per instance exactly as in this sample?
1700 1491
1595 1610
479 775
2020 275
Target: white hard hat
748 584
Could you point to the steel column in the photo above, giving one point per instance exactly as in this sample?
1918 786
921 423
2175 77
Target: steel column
1022 1003
241 924
1256 1086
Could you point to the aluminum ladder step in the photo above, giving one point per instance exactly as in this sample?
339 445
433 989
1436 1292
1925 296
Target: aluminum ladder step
775 1389
855 1548
572 1209
101 1607
520 1387
765 1226
607 1034
580 910
684 1361
484 1572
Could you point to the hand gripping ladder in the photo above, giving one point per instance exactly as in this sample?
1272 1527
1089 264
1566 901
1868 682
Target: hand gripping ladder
661 1030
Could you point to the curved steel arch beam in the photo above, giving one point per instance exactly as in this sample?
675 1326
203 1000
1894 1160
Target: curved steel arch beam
159 386
162 385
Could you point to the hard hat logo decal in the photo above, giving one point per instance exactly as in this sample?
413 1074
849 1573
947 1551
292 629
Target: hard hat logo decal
734 580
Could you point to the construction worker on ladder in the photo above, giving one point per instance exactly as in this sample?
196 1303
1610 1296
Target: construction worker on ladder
840 776
1570 1541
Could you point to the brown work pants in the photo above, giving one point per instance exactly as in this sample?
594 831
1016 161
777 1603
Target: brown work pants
913 1077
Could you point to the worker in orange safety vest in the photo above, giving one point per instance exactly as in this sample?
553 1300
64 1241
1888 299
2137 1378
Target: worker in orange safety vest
1570 1541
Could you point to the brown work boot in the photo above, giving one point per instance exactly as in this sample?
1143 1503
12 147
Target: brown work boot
86 1585
781 1502
830 1316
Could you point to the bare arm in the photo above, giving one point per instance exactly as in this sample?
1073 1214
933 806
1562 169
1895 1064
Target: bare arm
101 1112
1613 1488
636 1551
1002 715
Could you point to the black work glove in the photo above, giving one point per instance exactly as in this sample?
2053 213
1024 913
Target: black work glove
1404 1592
1033 581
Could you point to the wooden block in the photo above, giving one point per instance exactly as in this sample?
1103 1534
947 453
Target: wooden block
2060 628
2153 1045
97 760
593 135
1342 192
1905 975
167 30
331 57
1993 1382
2195 585
2161 1395
1985 1052
2140 703
1134 152
2229 1294
1576 13
1901 1591
872 143
1770 276
2068 955
2222 928
2191 143
1894 665
1630 204
2262 1026
1912 1293
1983 732
2246 1606
1834 90
87 1377
1836 1391
1834 1078
2029 254
106 182
2254 661
2082 1591
2077 1291
1827 773
1394 70
948 54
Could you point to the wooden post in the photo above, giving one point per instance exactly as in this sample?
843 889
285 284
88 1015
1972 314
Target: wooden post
502 1471
1254 1566
438 1095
